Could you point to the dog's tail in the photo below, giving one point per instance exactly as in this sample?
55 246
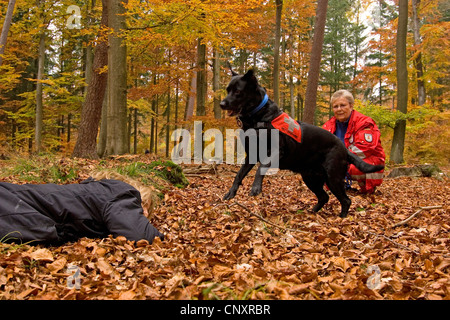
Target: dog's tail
361 165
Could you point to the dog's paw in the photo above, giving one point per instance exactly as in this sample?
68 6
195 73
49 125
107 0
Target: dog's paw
229 195
255 191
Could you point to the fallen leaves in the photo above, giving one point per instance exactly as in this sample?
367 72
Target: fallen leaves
41 254
57 265
218 251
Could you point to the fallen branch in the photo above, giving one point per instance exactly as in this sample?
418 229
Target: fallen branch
386 238
415 214
392 241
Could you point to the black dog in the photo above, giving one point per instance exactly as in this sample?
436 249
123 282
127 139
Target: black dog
318 155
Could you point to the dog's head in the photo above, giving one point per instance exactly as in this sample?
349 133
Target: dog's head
243 94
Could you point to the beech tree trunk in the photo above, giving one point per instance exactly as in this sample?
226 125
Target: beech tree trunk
314 64
101 143
201 79
189 111
39 120
276 53
421 94
116 141
5 28
398 140
86 145
216 84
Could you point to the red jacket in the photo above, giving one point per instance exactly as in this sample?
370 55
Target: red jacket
363 139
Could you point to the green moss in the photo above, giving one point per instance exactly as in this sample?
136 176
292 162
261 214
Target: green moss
166 170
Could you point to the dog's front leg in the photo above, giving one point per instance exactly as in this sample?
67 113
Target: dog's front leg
266 163
243 171
257 183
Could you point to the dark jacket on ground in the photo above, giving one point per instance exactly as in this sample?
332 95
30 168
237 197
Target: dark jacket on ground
50 213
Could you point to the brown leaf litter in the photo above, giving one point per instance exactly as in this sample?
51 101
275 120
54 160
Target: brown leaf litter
265 247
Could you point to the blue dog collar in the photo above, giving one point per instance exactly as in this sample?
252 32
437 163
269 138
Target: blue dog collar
261 105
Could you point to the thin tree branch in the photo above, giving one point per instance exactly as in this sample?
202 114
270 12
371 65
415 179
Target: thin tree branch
415 214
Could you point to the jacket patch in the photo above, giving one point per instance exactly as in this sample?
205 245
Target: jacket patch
368 137
289 126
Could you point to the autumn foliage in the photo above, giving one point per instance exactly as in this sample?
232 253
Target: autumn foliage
162 40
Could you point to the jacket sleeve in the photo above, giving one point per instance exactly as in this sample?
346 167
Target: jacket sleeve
365 141
123 217
330 125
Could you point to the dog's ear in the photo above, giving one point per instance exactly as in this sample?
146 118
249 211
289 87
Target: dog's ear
231 69
250 77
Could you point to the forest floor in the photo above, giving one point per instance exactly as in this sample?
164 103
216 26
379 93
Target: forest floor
266 247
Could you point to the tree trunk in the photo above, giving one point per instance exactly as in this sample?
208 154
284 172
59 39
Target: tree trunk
276 53
39 93
201 78
177 91
291 82
135 130
156 124
357 44
89 51
314 64
216 84
69 127
116 142
418 61
189 112
86 145
398 140
129 124
299 107
101 145
168 107
5 28
153 120
168 121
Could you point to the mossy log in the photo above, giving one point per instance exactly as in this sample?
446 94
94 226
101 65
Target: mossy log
421 170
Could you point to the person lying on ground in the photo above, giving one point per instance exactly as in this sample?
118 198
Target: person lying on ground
55 214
